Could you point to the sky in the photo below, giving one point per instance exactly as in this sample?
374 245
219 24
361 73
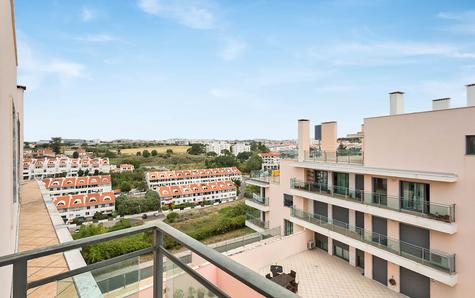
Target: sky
157 69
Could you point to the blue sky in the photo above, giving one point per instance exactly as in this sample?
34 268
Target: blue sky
155 69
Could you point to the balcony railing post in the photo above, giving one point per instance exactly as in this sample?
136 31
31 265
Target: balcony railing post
157 264
19 279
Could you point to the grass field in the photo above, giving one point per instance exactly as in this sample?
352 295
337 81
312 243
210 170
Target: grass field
160 149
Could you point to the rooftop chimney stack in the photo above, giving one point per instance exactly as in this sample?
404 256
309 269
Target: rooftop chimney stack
396 102
329 136
441 104
471 95
303 141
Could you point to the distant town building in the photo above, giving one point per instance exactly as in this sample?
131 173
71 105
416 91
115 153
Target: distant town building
196 193
46 152
74 206
125 167
156 180
240 147
270 161
52 167
218 147
77 185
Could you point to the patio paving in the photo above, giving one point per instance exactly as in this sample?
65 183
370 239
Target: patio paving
322 275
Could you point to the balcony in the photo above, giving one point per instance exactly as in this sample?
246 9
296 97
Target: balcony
262 178
256 201
349 157
434 259
436 211
179 277
254 222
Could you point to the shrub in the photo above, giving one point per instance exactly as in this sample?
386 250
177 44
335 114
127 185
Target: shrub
171 217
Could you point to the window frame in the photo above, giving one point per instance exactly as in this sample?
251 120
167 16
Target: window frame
467 145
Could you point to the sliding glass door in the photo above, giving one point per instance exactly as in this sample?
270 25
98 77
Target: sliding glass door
414 196
341 182
380 191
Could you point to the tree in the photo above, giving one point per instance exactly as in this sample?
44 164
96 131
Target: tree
169 151
75 154
146 153
243 156
222 161
253 163
55 144
211 154
225 152
155 152
138 153
262 148
125 186
196 149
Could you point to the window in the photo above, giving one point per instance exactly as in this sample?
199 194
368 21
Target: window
470 140
288 228
288 200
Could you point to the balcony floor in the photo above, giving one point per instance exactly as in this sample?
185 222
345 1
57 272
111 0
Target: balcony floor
36 231
322 275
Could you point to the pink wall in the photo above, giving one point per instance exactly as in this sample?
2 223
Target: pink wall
433 141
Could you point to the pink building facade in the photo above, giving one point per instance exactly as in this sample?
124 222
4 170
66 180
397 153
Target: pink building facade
400 210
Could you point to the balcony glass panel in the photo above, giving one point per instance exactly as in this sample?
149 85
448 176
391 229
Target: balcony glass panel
432 258
256 198
436 211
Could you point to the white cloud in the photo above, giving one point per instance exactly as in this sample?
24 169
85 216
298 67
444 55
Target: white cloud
97 38
463 22
87 14
35 68
232 49
386 53
193 13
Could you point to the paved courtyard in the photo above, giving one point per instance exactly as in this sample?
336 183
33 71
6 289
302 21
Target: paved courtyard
322 275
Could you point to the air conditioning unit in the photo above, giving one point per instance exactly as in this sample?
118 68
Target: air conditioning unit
310 245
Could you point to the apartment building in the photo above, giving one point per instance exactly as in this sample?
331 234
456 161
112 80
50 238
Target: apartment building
270 161
125 167
77 185
11 147
218 147
84 205
197 193
400 211
240 147
63 166
155 180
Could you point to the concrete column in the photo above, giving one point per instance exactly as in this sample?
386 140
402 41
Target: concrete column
330 246
352 256
352 181
393 193
393 232
352 219
368 222
393 273
330 211
303 141
368 188
330 179
368 265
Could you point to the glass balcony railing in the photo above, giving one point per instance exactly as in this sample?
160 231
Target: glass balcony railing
350 157
253 219
264 176
256 198
170 276
435 259
436 211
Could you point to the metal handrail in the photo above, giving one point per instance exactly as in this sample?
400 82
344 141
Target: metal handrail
430 257
356 157
256 198
243 274
432 210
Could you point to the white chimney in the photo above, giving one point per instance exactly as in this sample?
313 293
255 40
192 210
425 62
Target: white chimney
303 141
470 95
396 103
441 104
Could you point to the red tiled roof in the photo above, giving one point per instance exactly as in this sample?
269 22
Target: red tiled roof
178 190
84 200
76 181
163 175
270 154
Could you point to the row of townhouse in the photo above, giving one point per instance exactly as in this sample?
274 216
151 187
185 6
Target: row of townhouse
155 180
77 185
84 205
196 193
270 161
64 166
401 211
